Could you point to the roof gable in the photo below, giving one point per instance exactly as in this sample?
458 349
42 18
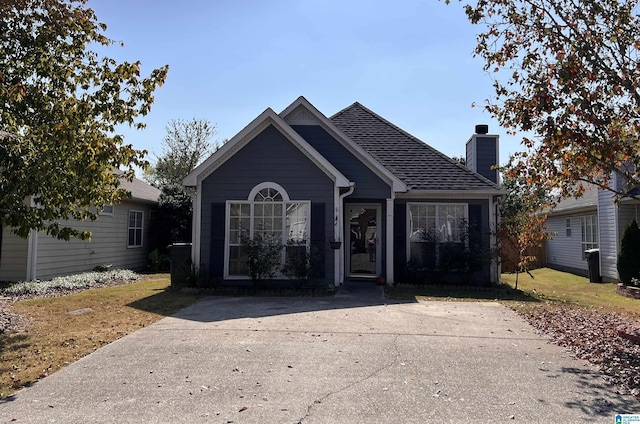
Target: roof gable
301 112
418 165
266 118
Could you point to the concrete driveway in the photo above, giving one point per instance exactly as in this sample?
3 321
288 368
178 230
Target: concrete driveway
354 358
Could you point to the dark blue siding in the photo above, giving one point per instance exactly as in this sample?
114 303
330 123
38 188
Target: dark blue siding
486 149
368 184
268 157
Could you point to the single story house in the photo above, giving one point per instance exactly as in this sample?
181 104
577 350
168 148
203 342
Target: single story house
393 203
119 238
593 221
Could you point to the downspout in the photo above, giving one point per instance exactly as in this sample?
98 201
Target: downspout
496 268
339 232
32 256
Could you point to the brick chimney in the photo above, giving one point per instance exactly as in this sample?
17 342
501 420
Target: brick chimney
483 153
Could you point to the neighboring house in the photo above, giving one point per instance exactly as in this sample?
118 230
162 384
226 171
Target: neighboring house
355 178
119 238
589 222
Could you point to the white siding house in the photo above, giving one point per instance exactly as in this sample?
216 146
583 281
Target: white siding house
592 221
119 238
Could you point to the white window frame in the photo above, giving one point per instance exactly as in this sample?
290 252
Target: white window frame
107 213
251 202
135 228
586 239
437 205
567 227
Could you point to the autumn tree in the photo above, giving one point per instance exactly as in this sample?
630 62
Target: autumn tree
186 144
522 224
566 71
60 106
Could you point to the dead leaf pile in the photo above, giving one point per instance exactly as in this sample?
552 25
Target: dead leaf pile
605 339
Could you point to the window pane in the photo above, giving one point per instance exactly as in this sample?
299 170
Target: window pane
132 237
296 223
134 234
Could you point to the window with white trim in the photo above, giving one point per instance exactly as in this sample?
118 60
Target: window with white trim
106 210
269 212
135 228
434 231
589 226
567 227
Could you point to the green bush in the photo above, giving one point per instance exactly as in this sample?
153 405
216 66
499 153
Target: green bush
628 263
263 256
69 282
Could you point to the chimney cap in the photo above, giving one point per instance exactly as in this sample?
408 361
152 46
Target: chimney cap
482 129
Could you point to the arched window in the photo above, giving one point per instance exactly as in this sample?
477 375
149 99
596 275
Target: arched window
269 212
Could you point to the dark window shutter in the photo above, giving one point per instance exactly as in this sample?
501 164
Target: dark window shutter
399 238
218 219
318 243
475 226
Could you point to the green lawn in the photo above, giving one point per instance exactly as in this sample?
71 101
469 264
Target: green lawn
556 286
547 286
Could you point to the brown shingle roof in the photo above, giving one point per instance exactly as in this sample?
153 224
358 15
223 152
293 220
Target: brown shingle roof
418 165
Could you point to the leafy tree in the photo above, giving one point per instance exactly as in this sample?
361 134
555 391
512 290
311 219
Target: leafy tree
185 145
522 221
171 223
628 264
567 72
60 104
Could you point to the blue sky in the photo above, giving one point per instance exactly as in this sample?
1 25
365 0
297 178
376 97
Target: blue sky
410 61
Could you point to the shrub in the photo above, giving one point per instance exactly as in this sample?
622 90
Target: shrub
158 261
69 282
628 263
263 256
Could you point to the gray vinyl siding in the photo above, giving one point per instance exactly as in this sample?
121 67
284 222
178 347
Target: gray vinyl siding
609 235
626 214
268 157
368 184
108 245
565 253
13 257
471 155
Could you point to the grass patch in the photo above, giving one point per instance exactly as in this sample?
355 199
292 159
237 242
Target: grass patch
56 338
561 287
458 293
548 287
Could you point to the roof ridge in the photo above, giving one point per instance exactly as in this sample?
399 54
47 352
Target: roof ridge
417 140
341 111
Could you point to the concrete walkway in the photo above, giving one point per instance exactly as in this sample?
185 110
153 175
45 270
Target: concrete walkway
348 359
